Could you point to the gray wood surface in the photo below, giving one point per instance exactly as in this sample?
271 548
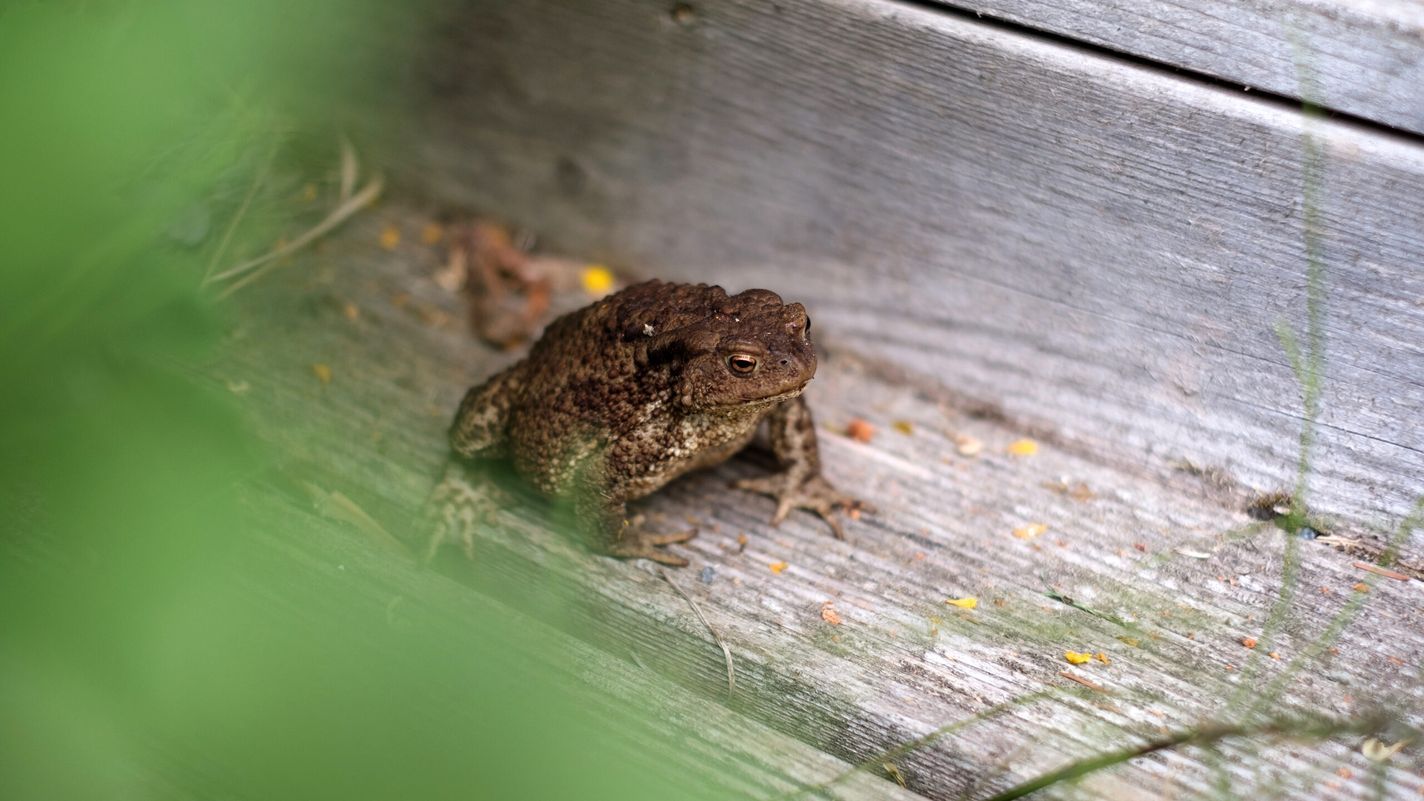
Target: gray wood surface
1363 58
1098 251
1174 568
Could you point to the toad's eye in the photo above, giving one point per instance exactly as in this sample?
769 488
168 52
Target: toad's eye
742 364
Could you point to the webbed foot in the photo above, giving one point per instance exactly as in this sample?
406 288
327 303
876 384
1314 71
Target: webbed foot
814 494
634 543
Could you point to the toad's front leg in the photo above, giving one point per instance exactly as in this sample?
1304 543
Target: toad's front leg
799 485
603 514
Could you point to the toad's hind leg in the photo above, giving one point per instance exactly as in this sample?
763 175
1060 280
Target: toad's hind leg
464 498
479 428
458 505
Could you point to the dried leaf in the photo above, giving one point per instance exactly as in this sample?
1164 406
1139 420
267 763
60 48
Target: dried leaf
829 613
894 773
1377 751
1249 642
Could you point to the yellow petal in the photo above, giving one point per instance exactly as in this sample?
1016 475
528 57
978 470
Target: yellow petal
1077 658
1023 447
963 603
597 280
1030 531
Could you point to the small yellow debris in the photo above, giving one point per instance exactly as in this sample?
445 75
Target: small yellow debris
1102 657
390 237
966 445
963 603
322 372
903 426
352 311
829 613
596 279
1023 447
1076 658
308 193
1361 587
777 567
432 233
1249 642
1274 654
1030 531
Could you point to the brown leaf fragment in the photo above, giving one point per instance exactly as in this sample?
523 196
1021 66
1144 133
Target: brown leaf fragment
860 431
1248 642
829 613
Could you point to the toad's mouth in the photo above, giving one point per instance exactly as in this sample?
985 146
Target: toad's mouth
767 401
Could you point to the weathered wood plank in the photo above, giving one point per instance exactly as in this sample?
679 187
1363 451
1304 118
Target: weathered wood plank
639 708
902 663
1366 59
1093 248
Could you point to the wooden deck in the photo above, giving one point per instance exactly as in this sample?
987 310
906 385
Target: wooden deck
1164 576
1025 228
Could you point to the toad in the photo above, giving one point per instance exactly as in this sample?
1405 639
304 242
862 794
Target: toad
624 395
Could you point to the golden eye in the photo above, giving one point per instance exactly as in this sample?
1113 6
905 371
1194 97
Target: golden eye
742 364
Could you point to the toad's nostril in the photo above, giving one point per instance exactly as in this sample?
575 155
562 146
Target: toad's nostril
785 362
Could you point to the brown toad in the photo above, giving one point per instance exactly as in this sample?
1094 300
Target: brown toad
620 397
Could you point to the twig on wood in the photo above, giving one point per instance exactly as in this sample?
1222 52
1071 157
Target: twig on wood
261 265
1380 571
1091 685
726 652
257 181
1200 736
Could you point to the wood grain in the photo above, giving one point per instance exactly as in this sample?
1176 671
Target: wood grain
1093 248
1164 582
1366 59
